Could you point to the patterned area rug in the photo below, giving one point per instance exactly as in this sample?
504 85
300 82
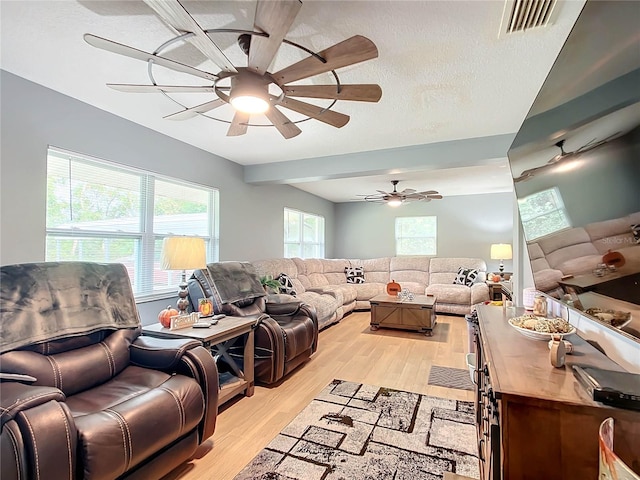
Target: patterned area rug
352 431
450 377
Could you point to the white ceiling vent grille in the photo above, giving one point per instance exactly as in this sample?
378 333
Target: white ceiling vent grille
521 15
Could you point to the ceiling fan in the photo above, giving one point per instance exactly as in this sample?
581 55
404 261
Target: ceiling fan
253 90
564 156
395 198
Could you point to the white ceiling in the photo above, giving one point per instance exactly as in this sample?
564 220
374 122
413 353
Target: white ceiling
445 73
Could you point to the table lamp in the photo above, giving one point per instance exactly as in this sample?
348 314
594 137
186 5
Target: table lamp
501 251
183 253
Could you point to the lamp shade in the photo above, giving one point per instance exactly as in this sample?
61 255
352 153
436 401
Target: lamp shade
183 253
501 251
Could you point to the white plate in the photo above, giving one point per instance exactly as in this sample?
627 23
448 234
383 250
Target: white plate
539 335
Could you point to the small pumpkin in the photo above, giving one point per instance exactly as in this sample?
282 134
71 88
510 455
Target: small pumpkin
164 317
393 288
205 307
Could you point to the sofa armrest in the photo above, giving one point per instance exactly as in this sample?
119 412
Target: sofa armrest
160 353
38 431
479 293
283 309
199 364
16 397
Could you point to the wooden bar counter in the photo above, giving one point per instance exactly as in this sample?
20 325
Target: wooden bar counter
536 421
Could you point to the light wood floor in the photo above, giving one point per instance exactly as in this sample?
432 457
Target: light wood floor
346 351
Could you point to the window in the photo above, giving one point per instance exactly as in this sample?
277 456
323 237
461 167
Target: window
416 235
102 212
543 213
303 234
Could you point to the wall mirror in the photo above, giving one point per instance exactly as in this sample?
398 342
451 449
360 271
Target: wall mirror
579 148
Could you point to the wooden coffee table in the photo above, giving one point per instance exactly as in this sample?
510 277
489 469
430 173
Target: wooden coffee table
390 312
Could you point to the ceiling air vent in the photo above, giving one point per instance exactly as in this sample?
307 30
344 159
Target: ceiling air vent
521 15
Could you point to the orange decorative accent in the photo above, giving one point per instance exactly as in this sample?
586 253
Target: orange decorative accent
393 288
205 307
164 317
613 258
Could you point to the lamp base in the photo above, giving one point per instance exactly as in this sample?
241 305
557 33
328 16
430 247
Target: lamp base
183 293
501 269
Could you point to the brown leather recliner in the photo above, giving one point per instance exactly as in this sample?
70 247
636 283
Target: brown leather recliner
287 333
83 395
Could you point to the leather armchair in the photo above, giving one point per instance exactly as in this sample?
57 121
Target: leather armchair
93 400
286 335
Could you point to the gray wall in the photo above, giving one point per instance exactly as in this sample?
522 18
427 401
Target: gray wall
34 117
467 226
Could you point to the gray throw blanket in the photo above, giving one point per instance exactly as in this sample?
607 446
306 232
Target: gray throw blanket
47 301
235 281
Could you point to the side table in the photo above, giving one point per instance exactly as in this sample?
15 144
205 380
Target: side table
219 339
497 289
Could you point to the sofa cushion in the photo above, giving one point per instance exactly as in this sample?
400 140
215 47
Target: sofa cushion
377 269
466 276
113 419
451 293
410 269
444 270
354 274
547 279
366 291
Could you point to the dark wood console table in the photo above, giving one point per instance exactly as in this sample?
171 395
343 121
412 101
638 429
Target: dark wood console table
218 339
536 421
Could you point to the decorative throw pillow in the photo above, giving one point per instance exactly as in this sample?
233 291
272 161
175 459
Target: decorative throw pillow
635 228
286 285
466 276
354 274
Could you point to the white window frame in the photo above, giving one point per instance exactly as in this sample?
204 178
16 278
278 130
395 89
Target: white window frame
145 235
300 242
559 207
425 235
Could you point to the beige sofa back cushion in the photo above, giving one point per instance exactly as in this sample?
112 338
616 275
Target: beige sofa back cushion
276 266
538 260
315 273
333 270
612 234
376 270
410 269
444 270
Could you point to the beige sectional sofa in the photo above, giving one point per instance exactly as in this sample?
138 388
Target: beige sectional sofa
578 250
322 283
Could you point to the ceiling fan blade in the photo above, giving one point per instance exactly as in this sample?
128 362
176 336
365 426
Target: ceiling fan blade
131 52
282 123
180 21
356 92
427 192
274 18
382 192
329 117
434 197
407 191
193 111
239 124
130 88
348 52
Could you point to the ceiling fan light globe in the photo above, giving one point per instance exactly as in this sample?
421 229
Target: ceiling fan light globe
394 202
249 104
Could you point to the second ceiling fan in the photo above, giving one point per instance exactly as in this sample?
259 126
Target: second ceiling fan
253 90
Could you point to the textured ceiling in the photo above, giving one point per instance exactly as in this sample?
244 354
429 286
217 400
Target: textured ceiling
445 73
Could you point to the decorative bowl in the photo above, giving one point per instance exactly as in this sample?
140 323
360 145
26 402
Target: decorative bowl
615 318
540 335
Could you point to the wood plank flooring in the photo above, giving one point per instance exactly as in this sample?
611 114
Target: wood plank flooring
346 351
